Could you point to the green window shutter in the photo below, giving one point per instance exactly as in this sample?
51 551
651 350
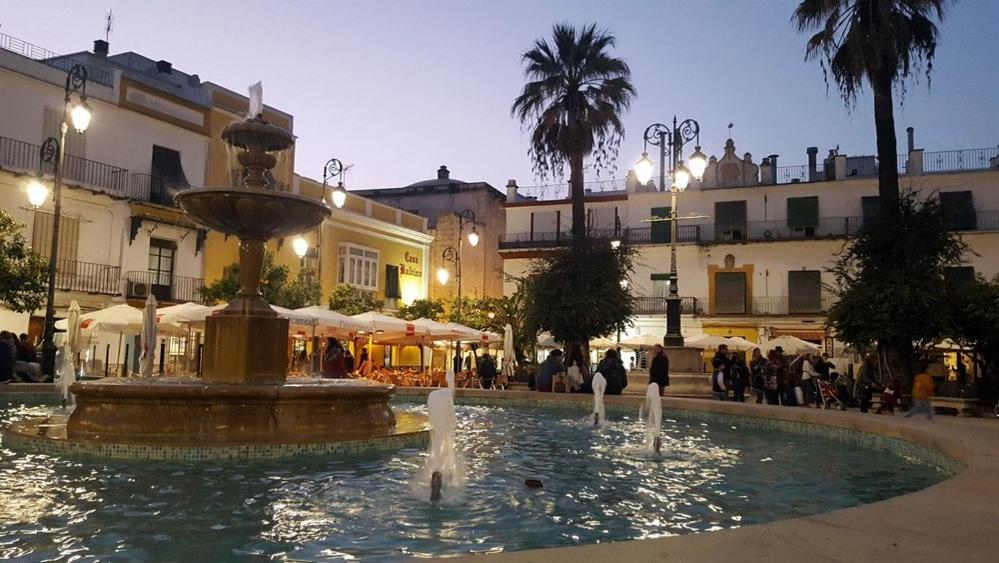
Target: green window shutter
804 291
871 206
730 220
392 282
730 293
802 212
958 211
660 230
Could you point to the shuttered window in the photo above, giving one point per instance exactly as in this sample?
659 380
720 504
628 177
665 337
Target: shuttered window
804 291
802 212
958 211
660 231
392 282
871 207
730 220
69 236
730 292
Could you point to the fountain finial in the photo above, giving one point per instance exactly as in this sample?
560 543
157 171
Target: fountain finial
256 100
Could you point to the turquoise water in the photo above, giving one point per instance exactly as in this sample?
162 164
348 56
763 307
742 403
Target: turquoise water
599 486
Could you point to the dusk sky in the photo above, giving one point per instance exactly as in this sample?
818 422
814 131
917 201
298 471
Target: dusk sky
399 88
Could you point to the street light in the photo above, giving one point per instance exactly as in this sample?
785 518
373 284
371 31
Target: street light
452 255
335 168
670 141
473 237
443 275
51 153
301 247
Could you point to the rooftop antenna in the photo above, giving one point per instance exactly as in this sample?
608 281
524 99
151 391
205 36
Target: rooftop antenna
730 126
108 26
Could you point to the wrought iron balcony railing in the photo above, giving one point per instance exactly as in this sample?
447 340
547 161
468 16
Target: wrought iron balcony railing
15 154
88 277
165 287
657 306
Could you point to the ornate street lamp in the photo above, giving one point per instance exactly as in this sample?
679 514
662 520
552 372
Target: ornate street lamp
301 247
51 153
670 141
451 255
335 168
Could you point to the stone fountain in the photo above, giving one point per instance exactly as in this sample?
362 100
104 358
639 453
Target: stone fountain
244 397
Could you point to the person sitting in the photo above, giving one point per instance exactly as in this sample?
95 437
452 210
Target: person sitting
348 361
8 356
547 371
612 369
487 371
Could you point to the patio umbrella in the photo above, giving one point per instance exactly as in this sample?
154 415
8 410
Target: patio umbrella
602 343
546 340
74 337
335 322
185 313
790 345
641 341
705 341
509 356
148 337
740 343
119 319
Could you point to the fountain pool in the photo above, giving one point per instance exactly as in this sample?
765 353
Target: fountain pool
600 485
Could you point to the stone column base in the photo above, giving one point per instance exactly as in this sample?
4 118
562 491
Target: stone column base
245 349
684 360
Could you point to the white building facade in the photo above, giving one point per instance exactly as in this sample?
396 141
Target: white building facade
752 254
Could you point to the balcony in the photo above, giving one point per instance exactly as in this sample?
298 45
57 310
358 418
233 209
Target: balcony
657 306
87 277
164 287
53 59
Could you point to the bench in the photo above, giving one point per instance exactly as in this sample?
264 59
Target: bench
965 406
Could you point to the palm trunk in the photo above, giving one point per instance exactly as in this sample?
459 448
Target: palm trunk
578 198
884 126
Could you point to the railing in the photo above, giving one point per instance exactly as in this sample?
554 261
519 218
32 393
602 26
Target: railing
965 159
789 305
554 192
53 59
87 277
104 177
165 287
657 306
798 174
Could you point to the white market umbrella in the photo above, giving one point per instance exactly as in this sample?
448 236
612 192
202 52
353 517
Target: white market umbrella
294 317
790 345
546 340
509 355
705 341
335 322
740 343
184 313
147 340
641 341
602 343
74 336
117 319
386 324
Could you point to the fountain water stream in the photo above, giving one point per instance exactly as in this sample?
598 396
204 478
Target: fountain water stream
599 384
654 422
443 470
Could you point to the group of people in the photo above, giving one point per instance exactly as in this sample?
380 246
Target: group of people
574 374
773 378
18 358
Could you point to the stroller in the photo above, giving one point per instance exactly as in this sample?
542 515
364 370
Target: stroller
828 397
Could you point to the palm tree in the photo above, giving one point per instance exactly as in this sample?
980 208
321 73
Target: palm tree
878 41
572 104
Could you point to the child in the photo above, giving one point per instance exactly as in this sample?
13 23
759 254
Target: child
889 398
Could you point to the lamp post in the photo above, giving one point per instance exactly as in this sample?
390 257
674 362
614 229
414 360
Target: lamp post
335 168
670 141
52 152
452 255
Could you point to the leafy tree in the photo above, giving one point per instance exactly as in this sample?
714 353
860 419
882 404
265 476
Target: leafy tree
572 105
272 280
23 273
422 309
351 301
512 310
889 284
585 283
880 42
474 312
303 291
976 325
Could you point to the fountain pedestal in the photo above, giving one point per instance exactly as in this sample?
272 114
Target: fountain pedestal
245 349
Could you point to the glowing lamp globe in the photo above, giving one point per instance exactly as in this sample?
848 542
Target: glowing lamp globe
443 276
80 116
697 164
339 196
301 246
681 177
473 238
37 193
643 169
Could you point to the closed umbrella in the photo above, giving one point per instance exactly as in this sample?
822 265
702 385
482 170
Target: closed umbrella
148 337
509 357
74 337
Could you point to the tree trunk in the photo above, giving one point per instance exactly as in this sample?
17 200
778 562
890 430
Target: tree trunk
898 359
578 198
884 126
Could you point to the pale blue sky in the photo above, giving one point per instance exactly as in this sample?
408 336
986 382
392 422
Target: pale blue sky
399 88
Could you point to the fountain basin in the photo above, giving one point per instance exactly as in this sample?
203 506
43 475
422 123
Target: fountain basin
186 412
252 213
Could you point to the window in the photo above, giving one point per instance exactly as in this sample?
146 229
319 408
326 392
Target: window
958 211
358 267
730 220
69 235
659 230
730 292
803 214
804 291
392 290
161 258
660 285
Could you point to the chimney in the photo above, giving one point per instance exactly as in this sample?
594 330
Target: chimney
101 48
443 173
773 168
164 67
911 135
511 190
813 157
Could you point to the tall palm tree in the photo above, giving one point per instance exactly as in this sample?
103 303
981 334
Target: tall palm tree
878 41
572 104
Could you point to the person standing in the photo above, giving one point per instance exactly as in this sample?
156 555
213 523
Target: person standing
8 356
863 388
758 367
612 369
740 378
809 377
772 390
348 361
659 369
720 376
576 368
547 371
333 361
922 390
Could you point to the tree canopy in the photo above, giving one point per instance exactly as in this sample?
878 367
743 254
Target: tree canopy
352 301
302 291
23 273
